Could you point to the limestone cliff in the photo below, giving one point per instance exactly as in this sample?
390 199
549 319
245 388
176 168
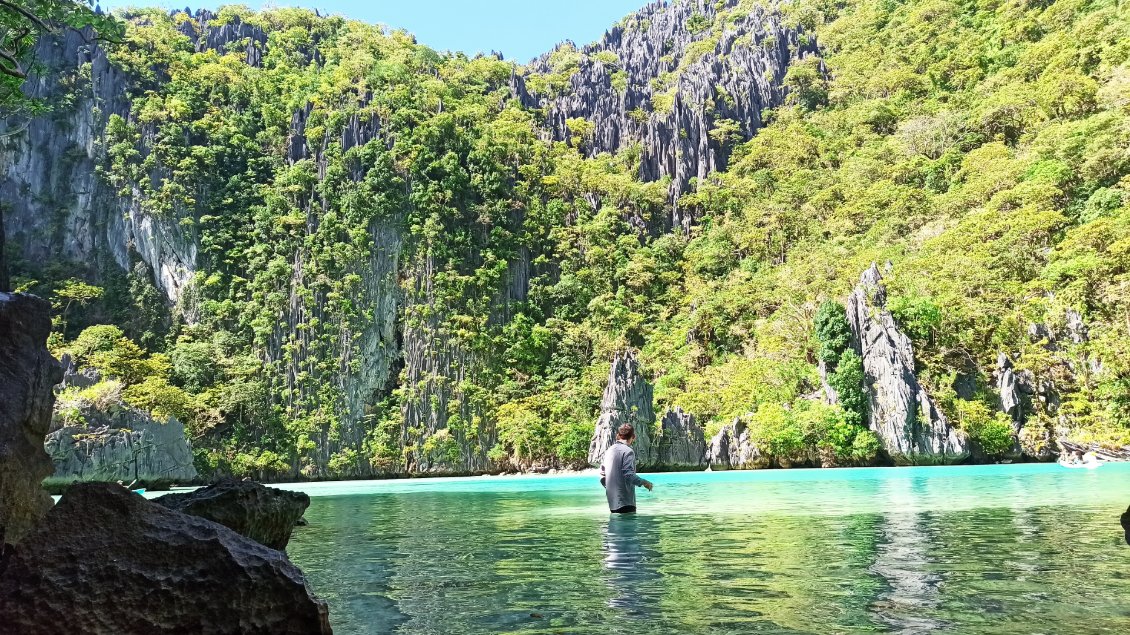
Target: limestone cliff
683 73
912 428
121 444
666 77
60 207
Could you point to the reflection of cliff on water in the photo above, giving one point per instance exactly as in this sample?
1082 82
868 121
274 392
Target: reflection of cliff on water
902 560
902 552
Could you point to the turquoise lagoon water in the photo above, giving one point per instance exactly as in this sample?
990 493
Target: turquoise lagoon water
982 549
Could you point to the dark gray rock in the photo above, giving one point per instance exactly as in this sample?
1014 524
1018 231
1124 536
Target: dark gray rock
121 444
266 515
627 399
74 377
105 560
1009 390
1075 329
733 449
826 392
60 207
5 281
913 430
27 376
682 444
1039 332
718 452
1011 400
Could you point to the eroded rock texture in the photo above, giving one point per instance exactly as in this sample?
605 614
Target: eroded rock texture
685 84
733 449
106 561
627 399
912 428
665 78
682 445
60 208
266 515
1009 390
117 443
27 375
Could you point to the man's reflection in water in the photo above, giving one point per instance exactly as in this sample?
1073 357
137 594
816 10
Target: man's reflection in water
902 560
630 562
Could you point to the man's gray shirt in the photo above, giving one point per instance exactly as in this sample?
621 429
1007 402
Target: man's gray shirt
618 469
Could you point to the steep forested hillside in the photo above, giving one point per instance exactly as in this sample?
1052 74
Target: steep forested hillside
333 251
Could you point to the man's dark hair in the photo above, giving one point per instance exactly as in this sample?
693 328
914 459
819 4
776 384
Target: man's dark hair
626 432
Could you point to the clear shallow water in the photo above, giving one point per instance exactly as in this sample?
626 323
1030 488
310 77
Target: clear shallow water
984 549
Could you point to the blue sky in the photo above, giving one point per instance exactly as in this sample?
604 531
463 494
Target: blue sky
519 29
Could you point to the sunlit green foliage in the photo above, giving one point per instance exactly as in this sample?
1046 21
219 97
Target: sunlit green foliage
980 147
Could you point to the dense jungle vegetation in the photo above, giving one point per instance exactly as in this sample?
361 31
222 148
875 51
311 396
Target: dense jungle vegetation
981 147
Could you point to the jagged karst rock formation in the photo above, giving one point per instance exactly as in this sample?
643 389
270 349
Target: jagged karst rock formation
664 79
1032 399
121 444
627 399
682 445
105 560
114 441
63 209
266 515
733 449
75 377
27 374
912 428
1009 390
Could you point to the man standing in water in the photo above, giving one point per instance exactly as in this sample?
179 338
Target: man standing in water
618 472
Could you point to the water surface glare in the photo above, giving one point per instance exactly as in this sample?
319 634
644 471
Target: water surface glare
980 549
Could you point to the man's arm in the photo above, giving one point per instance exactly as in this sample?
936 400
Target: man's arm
629 468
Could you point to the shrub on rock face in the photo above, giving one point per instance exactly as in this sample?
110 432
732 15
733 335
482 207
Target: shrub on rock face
991 431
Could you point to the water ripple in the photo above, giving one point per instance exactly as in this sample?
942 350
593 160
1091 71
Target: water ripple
1023 549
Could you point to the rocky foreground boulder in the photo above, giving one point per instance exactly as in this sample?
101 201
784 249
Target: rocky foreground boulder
27 373
105 560
904 416
266 515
